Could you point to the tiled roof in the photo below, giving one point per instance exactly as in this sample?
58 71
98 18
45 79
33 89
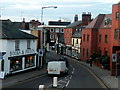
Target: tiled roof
77 34
9 31
99 21
74 24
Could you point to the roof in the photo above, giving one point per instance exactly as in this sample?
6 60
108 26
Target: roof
99 21
77 34
11 31
74 24
58 23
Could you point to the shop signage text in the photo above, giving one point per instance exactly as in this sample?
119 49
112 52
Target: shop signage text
22 52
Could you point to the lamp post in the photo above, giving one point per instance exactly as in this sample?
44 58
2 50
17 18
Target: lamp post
41 38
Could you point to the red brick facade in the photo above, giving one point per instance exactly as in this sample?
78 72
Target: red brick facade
102 34
69 31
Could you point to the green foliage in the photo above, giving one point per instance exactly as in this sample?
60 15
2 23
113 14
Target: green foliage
94 56
105 59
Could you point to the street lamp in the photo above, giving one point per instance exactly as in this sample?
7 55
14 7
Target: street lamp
41 38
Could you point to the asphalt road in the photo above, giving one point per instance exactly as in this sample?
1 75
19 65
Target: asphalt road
78 77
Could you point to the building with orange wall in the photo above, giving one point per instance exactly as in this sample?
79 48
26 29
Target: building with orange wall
102 36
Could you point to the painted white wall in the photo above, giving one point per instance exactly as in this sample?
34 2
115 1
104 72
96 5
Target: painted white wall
9 45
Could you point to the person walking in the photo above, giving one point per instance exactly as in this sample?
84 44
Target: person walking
90 62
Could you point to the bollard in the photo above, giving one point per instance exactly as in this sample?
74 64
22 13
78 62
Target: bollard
54 81
41 87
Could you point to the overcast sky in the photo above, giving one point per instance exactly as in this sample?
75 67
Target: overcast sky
15 10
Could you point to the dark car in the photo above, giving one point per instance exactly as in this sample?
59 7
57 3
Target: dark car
64 59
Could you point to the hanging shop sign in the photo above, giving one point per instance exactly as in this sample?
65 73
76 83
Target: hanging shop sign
22 52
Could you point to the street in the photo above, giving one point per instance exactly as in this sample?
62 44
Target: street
78 77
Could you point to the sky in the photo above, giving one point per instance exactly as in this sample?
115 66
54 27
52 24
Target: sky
16 10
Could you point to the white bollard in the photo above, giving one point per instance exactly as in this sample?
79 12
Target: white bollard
54 81
41 87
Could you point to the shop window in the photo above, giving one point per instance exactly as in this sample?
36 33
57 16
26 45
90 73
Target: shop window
17 42
29 61
15 64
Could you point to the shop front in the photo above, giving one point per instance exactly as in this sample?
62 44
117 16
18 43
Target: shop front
21 63
21 60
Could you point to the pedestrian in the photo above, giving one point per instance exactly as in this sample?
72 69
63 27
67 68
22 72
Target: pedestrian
90 62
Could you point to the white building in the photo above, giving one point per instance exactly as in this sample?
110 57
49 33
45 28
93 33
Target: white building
18 50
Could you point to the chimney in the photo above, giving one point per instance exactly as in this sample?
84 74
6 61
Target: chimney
23 24
86 18
76 18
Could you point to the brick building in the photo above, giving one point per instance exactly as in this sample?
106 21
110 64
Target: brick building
101 36
77 25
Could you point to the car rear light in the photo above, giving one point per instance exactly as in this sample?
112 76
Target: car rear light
60 70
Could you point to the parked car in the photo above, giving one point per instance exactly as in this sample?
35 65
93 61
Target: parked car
57 68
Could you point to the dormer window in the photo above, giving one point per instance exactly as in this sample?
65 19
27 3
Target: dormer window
107 21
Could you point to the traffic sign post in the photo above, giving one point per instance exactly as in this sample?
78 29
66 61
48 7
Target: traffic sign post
40 52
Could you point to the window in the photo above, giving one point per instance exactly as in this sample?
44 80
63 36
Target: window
73 42
17 42
106 38
84 37
62 30
77 41
87 37
116 34
29 61
117 15
100 37
83 51
107 21
51 30
28 44
51 36
57 30
87 52
15 64
106 52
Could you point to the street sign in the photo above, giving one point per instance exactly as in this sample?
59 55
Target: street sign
114 57
40 52
2 75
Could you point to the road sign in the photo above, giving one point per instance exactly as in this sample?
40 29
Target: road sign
40 52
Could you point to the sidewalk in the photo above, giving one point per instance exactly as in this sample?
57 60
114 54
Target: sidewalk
104 75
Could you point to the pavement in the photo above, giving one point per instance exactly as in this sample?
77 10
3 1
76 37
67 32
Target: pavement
104 75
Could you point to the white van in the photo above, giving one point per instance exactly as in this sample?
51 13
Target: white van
57 68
